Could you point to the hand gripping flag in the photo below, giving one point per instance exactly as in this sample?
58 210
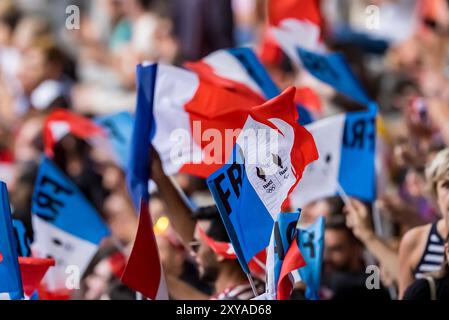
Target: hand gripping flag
282 257
66 226
296 23
249 190
311 245
188 113
346 144
143 272
10 277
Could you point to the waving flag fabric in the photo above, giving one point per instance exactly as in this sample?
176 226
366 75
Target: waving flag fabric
234 68
66 226
246 190
143 271
33 271
62 122
334 70
240 70
311 245
119 129
280 260
296 23
188 114
10 276
22 240
346 145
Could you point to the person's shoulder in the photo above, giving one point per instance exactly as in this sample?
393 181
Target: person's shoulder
418 290
415 236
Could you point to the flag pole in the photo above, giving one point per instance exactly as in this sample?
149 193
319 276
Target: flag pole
251 282
344 196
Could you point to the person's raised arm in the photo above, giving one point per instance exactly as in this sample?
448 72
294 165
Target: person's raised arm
357 219
179 212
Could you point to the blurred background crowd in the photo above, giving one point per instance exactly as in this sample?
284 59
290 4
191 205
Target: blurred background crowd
403 63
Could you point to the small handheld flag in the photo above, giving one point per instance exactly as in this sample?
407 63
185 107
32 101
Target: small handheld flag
66 226
10 276
247 191
311 245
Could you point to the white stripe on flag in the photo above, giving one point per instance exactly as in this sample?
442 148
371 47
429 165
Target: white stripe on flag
227 66
320 178
5 296
174 88
66 249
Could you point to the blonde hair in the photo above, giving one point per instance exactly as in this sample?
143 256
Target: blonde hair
437 170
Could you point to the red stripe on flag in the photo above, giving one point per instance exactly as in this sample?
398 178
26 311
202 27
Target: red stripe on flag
294 9
218 109
33 271
293 260
304 150
143 270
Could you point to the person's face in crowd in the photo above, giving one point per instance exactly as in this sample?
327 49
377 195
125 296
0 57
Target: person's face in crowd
313 211
97 282
157 209
121 217
172 259
206 259
25 148
114 8
340 252
442 190
415 183
32 70
5 34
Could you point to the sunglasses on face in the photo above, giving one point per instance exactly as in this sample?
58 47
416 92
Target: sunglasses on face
194 246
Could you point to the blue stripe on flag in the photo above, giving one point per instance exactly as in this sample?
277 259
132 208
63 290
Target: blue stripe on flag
144 129
247 220
357 175
119 127
10 277
335 71
256 70
311 244
58 201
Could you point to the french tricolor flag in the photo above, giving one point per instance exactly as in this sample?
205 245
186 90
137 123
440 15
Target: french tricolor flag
241 71
237 69
187 113
10 277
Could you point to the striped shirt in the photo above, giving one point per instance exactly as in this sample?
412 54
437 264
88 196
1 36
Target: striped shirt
433 256
240 292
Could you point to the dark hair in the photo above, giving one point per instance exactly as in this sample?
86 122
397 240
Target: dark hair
11 18
217 230
102 253
146 4
338 223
